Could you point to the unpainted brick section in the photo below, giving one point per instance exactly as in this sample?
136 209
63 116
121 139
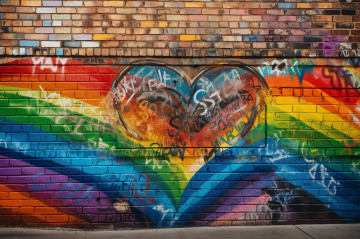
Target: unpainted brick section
276 22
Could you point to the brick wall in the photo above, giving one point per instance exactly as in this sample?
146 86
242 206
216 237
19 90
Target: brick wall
179 28
124 114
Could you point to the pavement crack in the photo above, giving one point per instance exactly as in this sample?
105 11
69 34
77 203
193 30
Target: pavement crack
304 232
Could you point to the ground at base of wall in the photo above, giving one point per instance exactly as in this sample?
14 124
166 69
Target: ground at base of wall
146 226
318 231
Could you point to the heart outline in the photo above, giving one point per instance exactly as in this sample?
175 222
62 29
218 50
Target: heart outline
190 84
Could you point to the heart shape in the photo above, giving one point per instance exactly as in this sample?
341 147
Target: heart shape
159 106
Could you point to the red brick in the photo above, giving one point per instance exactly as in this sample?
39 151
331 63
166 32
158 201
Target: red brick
10 218
60 77
69 94
66 86
77 77
46 210
32 218
257 11
12 203
57 218
16 195
15 77
26 210
80 94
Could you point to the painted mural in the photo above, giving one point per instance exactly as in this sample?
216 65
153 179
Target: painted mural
147 144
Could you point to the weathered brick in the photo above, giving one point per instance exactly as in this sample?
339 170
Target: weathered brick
115 30
82 37
32 3
72 3
45 10
231 18
94 30
11 36
174 5
50 44
239 12
341 19
36 37
52 3
305 5
194 4
9 2
116 17
44 30
61 16
146 10
286 18
90 44
197 18
93 3
25 9
251 18
177 18
323 18
126 10
66 10
11 16
232 38
113 3
23 29
105 10
153 4
162 24
103 37
29 43
241 31
59 37
86 10
189 37
148 24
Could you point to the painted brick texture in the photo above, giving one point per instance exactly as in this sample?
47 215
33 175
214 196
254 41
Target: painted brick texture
187 29
137 143
133 114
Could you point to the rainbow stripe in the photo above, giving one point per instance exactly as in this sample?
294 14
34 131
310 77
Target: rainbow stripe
66 160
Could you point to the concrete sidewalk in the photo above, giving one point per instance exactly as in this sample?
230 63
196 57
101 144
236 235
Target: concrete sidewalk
329 231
